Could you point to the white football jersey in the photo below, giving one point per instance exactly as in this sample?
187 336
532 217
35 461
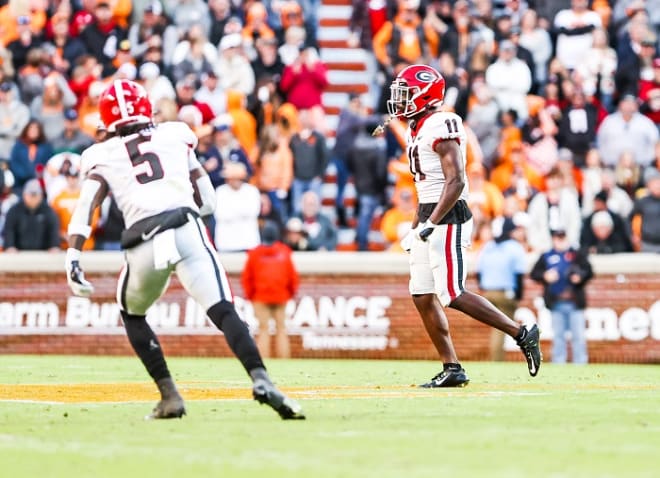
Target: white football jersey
147 172
424 161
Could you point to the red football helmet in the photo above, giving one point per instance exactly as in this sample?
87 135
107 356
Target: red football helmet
415 89
124 102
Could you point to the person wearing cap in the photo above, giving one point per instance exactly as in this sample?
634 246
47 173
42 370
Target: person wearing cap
605 232
510 79
211 92
224 149
501 267
237 73
31 224
64 203
555 208
627 130
270 280
645 216
237 214
72 138
158 86
564 271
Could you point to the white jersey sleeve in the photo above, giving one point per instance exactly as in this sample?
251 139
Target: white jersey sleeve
424 161
147 172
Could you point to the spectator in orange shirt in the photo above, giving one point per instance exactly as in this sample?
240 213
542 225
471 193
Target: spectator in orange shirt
65 202
244 125
486 199
270 280
397 220
405 39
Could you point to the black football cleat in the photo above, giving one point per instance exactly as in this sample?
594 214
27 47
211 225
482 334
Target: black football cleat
448 378
264 391
531 348
171 404
173 407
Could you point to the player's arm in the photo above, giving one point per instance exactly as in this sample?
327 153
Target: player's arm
451 160
204 193
452 166
92 192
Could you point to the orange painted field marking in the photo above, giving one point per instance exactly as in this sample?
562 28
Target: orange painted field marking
138 392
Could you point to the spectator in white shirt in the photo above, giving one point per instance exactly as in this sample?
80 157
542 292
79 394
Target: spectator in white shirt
237 213
510 80
627 130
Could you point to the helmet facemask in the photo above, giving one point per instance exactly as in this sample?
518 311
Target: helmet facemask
400 102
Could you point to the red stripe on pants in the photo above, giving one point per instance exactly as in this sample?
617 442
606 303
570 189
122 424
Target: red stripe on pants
450 262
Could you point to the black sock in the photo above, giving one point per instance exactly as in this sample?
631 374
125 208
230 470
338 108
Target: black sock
146 345
224 316
522 333
451 366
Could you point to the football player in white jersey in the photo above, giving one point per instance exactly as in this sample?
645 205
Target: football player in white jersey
440 233
161 190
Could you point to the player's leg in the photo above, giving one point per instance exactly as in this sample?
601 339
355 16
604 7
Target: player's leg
559 328
282 345
447 259
200 263
139 286
262 314
436 325
578 336
422 289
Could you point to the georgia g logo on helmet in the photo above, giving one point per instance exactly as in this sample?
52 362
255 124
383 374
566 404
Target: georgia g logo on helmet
426 76
417 88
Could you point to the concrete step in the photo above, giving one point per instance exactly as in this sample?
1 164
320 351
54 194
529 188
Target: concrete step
332 33
345 66
342 10
333 44
351 55
337 2
360 88
340 77
334 22
337 100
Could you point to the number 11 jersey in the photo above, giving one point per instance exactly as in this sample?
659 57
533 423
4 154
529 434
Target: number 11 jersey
422 137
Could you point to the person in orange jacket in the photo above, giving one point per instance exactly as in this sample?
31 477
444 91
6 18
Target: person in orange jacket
270 280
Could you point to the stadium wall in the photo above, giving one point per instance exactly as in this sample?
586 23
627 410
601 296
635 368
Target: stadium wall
350 305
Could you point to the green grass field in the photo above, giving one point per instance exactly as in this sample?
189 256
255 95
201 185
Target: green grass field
365 419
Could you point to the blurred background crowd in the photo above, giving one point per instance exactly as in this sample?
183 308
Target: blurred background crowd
561 101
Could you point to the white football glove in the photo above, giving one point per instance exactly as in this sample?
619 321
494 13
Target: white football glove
424 230
407 240
75 275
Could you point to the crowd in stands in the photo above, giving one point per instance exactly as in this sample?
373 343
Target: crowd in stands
561 101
